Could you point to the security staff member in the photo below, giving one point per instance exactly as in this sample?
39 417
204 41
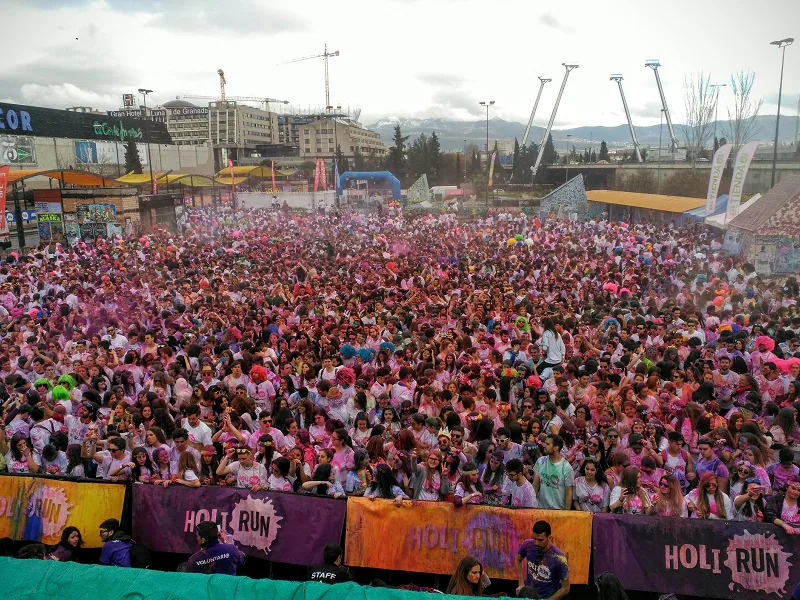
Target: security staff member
331 570
214 556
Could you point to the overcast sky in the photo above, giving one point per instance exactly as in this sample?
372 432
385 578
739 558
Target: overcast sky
399 58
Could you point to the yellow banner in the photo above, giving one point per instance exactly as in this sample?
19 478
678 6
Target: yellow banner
38 509
432 537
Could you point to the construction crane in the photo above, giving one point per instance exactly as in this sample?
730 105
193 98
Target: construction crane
266 101
325 56
654 64
618 78
222 83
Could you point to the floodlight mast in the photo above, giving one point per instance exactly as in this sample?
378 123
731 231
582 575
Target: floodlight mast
569 67
618 78
654 64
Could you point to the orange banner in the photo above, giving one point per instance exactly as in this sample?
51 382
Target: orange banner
38 509
432 537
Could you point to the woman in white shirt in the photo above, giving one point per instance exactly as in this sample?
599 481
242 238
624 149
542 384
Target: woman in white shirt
708 501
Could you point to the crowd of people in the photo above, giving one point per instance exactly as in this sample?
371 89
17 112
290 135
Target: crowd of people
496 360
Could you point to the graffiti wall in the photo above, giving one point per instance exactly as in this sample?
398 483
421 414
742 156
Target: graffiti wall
566 202
17 150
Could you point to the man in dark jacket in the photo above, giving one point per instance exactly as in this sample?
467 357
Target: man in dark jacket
116 545
331 570
215 557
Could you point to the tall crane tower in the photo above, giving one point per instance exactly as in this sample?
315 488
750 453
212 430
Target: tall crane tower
325 56
618 78
222 83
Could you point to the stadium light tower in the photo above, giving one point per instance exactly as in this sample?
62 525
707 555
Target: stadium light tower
618 78
654 64
569 67
781 44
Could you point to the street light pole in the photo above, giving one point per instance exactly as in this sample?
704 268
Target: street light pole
488 156
568 156
144 93
782 45
716 87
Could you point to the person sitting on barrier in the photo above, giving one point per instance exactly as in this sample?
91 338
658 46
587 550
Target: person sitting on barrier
19 455
468 490
385 486
216 556
116 550
68 548
668 500
249 474
521 493
331 570
469 578
278 480
708 501
112 460
784 509
324 482
429 483
630 497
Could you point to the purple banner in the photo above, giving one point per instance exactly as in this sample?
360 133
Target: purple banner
714 559
287 528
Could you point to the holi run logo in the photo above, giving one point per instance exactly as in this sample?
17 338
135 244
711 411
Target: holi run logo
255 523
758 563
47 508
117 130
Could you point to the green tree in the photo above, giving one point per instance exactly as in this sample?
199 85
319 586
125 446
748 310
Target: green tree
587 156
434 159
358 159
132 160
419 158
396 158
341 159
549 154
516 168
593 157
603 151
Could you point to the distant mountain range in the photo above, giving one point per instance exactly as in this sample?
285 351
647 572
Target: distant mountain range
453 133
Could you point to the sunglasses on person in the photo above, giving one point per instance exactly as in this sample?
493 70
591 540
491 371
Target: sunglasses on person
744 470
243 451
612 436
753 480
663 484
527 406
266 420
456 436
592 443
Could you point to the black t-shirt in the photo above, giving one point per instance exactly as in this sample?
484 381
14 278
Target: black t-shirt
326 573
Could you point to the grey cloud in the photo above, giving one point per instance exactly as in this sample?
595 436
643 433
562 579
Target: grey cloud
549 20
441 79
455 100
648 109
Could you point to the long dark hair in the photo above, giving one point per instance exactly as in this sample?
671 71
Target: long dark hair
136 472
265 457
459 585
383 483
322 473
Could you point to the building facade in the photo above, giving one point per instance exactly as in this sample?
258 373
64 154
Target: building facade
318 139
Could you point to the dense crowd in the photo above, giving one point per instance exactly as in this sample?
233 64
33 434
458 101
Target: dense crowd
495 360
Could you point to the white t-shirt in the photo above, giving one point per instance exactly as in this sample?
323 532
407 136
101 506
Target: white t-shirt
198 435
256 474
109 463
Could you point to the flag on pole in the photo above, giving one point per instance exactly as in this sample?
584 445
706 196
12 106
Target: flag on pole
274 187
491 168
233 186
3 183
154 183
316 177
740 167
717 167
324 174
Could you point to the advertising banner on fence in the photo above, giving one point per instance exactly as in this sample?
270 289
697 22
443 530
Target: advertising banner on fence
740 167
713 559
38 509
432 537
283 527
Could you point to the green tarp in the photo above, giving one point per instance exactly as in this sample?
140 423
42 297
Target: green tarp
46 580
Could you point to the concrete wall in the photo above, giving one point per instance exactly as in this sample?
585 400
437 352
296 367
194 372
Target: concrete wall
59 153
